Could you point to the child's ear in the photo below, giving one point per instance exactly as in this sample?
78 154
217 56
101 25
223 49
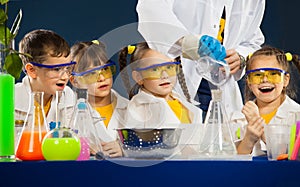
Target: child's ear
286 80
31 70
137 77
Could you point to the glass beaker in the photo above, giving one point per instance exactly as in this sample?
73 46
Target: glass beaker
215 72
82 124
217 139
34 130
61 143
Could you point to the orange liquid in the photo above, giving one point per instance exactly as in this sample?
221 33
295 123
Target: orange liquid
30 146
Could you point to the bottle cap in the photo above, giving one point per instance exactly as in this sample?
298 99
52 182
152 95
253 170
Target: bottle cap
19 122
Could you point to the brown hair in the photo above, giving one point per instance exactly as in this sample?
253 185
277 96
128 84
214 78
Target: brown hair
88 54
40 44
282 61
140 50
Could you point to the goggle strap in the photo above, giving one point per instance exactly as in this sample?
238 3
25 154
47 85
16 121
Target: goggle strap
52 66
111 63
156 65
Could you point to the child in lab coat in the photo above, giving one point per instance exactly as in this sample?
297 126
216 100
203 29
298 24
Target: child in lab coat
95 72
156 105
48 68
267 97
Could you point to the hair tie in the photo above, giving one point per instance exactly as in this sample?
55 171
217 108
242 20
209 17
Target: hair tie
130 49
249 56
288 56
95 42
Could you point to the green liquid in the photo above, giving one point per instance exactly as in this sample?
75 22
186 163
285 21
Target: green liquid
61 148
6 114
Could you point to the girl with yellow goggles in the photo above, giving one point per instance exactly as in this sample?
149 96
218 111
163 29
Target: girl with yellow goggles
92 75
274 75
155 71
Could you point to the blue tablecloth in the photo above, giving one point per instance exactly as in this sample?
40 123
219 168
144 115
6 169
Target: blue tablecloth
259 172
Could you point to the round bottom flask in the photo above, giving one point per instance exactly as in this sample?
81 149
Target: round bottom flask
61 144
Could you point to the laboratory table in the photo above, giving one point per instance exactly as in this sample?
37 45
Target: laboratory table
141 172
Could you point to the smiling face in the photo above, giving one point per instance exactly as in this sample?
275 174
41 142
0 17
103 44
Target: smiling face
161 85
266 91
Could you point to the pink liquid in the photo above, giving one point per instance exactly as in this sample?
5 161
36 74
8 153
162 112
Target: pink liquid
85 149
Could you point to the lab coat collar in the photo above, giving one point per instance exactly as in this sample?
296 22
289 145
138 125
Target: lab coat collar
23 91
145 98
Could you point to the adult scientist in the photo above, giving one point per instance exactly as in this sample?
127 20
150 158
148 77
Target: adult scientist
170 23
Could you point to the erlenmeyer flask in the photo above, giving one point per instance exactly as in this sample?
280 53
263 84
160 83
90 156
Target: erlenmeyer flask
61 143
217 139
82 124
34 130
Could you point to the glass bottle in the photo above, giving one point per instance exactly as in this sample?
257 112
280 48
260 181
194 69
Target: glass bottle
7 148
18 130
34 129
60 143
217 138
82 124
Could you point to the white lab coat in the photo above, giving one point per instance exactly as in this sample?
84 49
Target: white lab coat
22 100
163 22
238 120
117 120
147 111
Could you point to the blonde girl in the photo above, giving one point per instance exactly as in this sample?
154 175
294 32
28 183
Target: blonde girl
95 72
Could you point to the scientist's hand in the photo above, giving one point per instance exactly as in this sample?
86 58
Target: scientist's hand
209 46
250 110
233 60
112 149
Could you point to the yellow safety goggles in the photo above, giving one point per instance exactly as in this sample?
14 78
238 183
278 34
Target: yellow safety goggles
155 71
274 75
92 75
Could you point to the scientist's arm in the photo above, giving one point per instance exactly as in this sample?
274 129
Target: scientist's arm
157 22
254 37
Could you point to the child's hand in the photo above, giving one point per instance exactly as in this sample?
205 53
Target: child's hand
253 133
254 130
112 149
250 110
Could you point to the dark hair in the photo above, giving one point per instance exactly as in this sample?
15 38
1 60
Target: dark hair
87 54
282 61
41 44
140 50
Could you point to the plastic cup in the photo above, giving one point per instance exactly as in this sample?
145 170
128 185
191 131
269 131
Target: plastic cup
277 141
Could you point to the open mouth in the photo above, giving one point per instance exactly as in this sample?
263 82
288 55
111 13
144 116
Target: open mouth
103 86
266 89
60 84
164 84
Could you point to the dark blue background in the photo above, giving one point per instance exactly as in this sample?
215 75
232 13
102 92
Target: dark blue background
85 20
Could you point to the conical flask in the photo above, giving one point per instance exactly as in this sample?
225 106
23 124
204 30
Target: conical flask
82 124
61 143
217 138
34 129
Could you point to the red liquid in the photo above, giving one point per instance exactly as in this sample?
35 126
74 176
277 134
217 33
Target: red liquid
30 146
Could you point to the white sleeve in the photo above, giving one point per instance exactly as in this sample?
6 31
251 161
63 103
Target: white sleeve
159 25
254 38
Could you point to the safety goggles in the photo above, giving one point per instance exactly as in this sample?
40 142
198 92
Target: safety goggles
56 71
155 71
92 75
274 75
